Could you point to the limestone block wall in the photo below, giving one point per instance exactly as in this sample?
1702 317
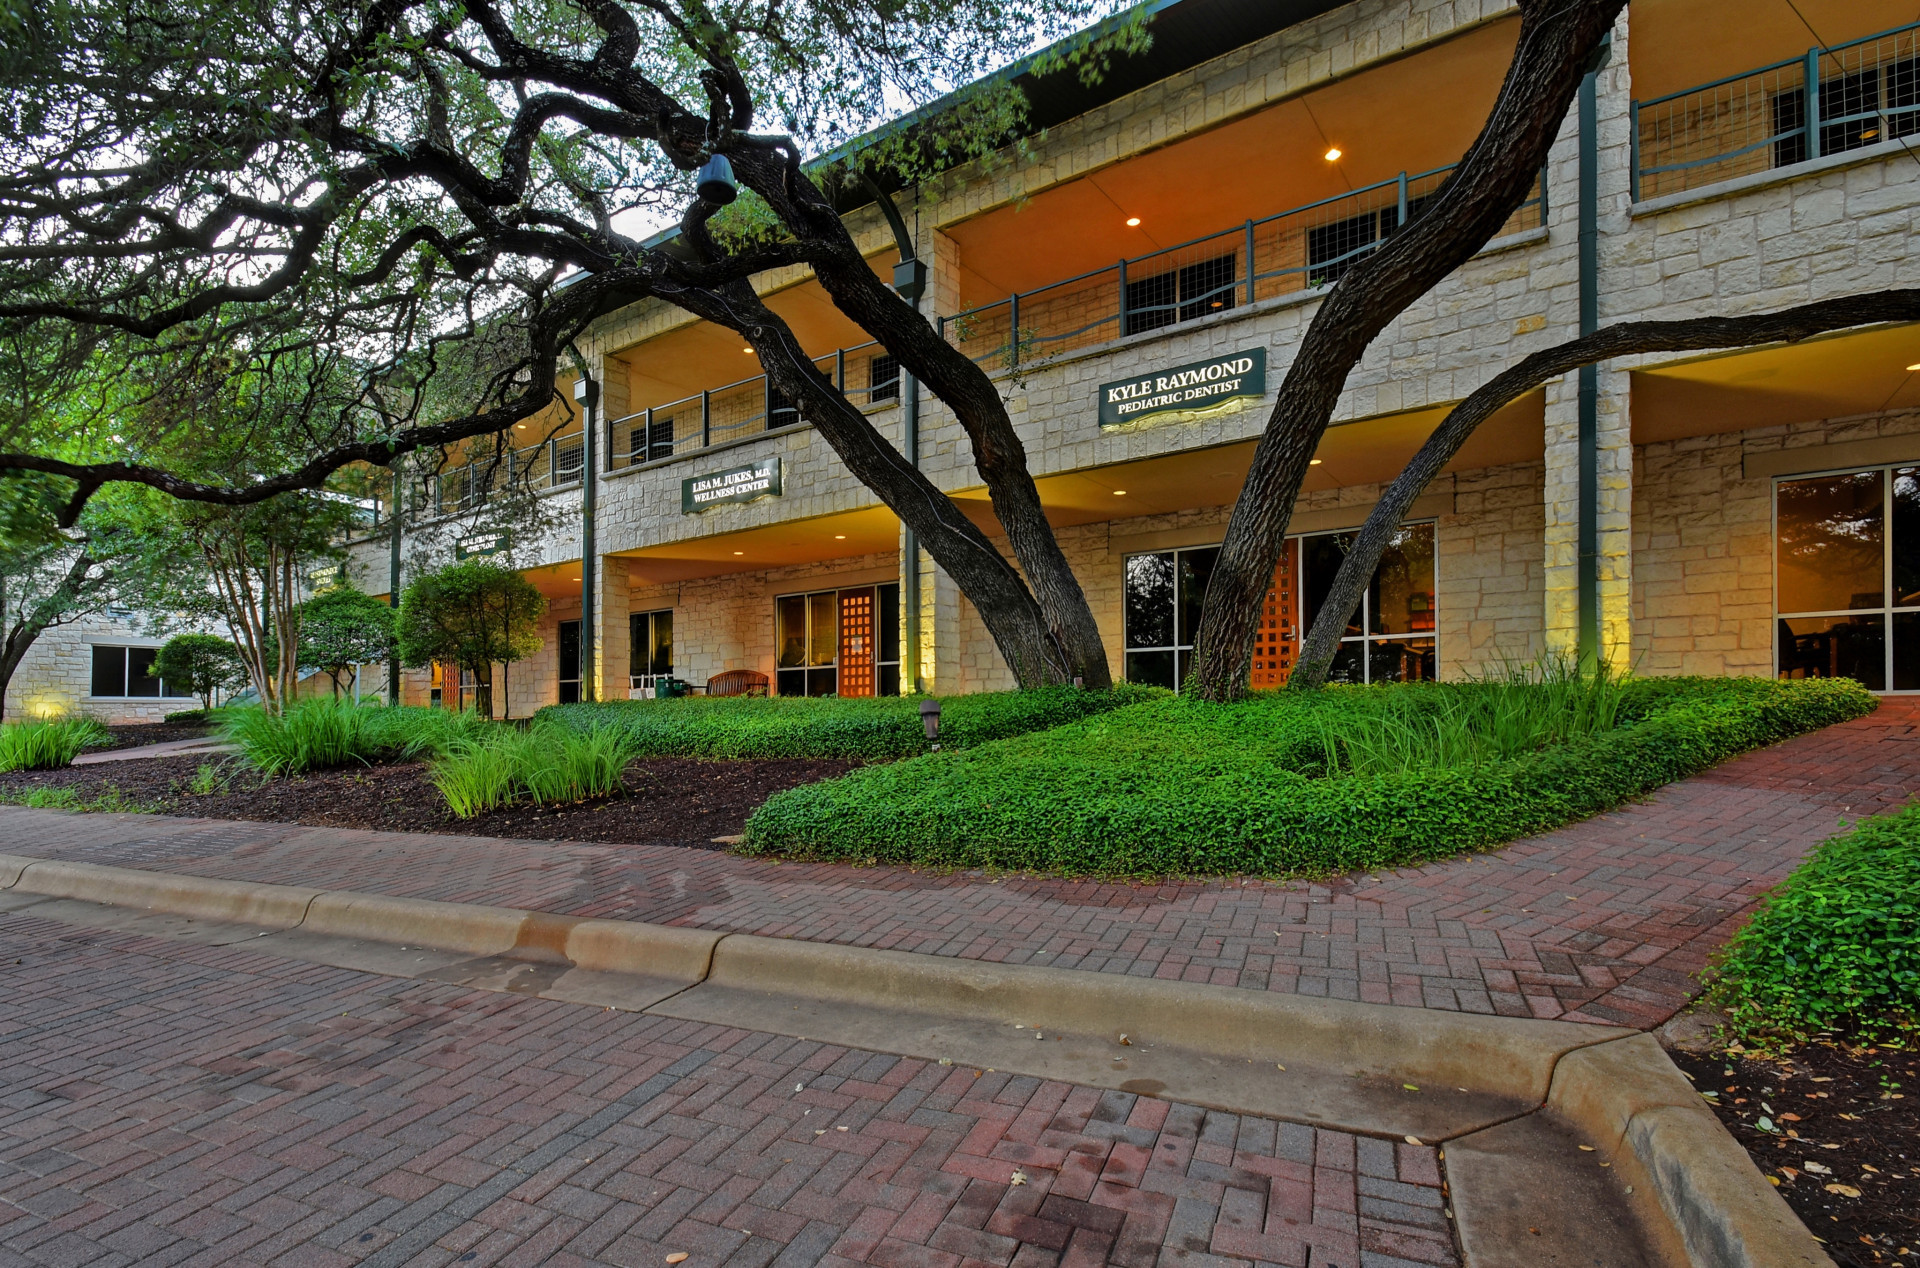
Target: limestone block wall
56 675
1703 534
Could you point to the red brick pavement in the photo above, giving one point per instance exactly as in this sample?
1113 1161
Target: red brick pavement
168 1104
1604 921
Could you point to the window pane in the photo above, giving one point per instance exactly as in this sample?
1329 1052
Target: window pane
1401 597
1400 660
109 671
889 680
1906 537
140 679
639 643
820 682
1830 543
1196 569
790 635
823 632
1349 664
1320 558
1835 647
888 629
1906 651
662 654
1152 669
1150 601
790 682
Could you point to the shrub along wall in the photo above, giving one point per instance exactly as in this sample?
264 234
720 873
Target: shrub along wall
829 727
1838 943
1178 787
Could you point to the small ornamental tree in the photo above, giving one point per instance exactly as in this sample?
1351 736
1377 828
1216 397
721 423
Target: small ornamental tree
473 616
200 663
343 627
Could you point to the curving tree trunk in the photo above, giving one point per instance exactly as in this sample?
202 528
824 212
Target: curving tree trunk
1704 333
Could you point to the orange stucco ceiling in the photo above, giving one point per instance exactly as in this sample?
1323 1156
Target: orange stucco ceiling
1858 373
1416 113
851 533
1680 43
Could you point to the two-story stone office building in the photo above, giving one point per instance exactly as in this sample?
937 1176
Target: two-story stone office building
1751 513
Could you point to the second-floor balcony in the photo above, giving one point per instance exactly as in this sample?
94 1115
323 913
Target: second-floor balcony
1819 102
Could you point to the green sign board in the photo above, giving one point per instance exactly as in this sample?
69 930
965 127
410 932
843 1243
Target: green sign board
478 544
735 484
1183 389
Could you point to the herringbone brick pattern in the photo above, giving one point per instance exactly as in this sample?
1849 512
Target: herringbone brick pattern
1607 920
166 1104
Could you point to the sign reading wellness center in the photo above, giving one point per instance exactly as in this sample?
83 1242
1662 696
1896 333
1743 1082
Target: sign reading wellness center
735 484
1196 385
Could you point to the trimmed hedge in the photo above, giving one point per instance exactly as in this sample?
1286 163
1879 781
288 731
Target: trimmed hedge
1838 943
1180 787
829 727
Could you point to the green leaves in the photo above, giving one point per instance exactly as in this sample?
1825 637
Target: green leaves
1176 786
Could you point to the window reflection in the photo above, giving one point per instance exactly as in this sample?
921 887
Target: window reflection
1832 543
1848 561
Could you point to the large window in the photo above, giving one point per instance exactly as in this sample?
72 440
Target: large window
650 647
1391 638
569 657
1182 294
1847 577
838 642
121 673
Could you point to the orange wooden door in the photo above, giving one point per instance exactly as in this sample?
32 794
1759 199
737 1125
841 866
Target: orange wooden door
856 643
1279 639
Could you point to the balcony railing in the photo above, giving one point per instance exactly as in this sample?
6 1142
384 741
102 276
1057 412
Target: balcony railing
1298 250
1825 101
865 374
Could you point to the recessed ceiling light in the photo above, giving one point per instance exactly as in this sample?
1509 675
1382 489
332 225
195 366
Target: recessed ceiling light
748 351
520 426
739 552
1119 493
1133 222
1333 155
1313 462
839 537
1912 368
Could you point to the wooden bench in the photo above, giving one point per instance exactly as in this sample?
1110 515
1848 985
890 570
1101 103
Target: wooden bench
738 682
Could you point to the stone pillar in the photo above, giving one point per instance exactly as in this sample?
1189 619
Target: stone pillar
612 649
1562 615
940 606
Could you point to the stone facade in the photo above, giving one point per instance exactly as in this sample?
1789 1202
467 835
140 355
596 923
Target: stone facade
1684 553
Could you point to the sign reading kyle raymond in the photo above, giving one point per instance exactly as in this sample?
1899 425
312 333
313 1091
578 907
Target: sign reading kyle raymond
735 484
1195 386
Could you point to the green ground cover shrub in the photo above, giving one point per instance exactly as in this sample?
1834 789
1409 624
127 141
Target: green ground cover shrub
46 743
829 727
326 733
1836 944
547 763
1175 786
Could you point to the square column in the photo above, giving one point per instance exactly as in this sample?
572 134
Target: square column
611 653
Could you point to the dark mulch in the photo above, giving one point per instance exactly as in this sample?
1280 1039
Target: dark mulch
671 800
135 734
1844 1147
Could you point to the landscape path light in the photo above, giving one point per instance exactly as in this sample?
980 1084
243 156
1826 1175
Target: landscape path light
930 719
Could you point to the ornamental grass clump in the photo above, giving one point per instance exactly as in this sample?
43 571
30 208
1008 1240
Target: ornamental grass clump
47 743
546 764
328 732
1837 944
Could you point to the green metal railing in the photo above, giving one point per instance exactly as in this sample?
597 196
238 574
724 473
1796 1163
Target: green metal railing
1823 101
1301 249
864 373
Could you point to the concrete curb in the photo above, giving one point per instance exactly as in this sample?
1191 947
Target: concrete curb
1696 1189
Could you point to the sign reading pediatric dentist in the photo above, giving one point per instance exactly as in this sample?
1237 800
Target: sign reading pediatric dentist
735 484
1185 388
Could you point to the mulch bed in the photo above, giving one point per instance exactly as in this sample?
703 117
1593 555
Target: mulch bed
1844 1144
135 734
670 800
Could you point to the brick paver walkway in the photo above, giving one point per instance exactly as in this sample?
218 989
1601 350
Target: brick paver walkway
1606 920
167 1104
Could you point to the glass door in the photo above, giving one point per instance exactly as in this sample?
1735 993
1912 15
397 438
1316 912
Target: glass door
569 648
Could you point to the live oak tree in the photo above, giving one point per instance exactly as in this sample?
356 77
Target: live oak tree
280 179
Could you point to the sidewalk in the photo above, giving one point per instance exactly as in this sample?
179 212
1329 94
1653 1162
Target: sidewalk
1602 921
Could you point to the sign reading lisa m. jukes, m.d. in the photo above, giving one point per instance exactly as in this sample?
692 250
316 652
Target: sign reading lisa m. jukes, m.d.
735 484
1184 388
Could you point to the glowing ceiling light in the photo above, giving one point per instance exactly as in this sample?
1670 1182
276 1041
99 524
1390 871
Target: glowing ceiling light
1133 222
1119 493
1912 368
1313 462
1333 154
739 552
839 537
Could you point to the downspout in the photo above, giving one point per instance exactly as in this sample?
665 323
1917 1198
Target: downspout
393 585
910 282
587 392
1588 572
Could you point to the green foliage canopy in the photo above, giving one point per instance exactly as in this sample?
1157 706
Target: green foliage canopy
200 663
473 615
343 626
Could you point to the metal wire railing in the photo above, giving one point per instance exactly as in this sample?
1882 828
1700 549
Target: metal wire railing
864 373
1301 249
1824 101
